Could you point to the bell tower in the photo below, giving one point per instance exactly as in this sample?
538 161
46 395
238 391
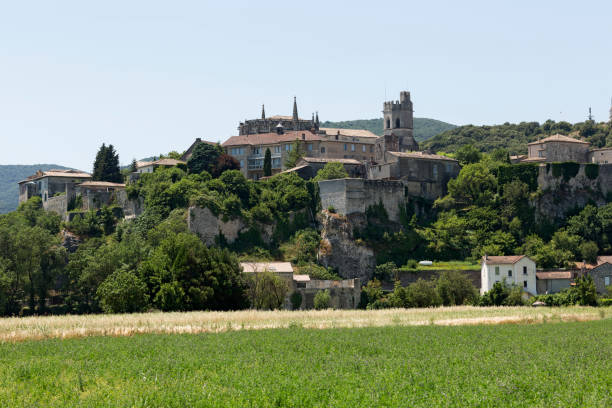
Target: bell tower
398 122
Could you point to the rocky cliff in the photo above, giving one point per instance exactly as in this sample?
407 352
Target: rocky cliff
340 250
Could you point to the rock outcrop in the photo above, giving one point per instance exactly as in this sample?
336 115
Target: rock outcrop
340 250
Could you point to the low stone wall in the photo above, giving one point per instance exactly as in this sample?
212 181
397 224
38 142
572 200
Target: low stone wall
131 208
208 226
344 294
57 204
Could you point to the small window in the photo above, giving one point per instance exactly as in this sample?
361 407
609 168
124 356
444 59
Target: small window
607 280
497 270
388 124
509 272
345 147
352 147
524 270
371 149
277 149
397 123
363 148
309 146
524 284
322 150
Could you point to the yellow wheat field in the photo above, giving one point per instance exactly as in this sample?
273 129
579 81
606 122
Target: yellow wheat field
36 328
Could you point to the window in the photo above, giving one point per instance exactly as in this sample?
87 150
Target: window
524 270
371 149
237 151
363 148
345 147
352 147
435 171
397 123
606 280
509 272
322 150
277 149
309 147
524 284
256 150
497 270
388 124
242 164
287 147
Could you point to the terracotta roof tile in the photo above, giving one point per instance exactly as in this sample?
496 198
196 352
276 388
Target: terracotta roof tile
504 260
271 138
329 160
281 267
349 132
101 184
57 173
558 138
554 275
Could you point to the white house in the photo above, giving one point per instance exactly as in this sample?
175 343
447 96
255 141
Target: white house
516 269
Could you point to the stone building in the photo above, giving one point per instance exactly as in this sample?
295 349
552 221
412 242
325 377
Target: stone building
327 143
601 272
149 167
51 183
548 282
398 127
269 124
308 167
558 148
97 194
344 294
600 156
423 174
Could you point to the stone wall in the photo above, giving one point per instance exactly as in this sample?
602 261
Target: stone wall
131 208
349 196
599 275
344 294
57 205
560 195
208 226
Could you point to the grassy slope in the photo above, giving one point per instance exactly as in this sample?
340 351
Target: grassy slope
423 128
556 364
10 175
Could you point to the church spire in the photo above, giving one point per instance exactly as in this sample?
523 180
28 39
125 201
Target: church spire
295 113
263 112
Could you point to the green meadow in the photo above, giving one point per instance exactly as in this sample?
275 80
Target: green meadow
516 365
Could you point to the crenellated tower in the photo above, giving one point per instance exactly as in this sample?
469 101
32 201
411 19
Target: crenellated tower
399 123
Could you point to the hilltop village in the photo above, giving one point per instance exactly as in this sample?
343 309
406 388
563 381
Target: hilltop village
361 215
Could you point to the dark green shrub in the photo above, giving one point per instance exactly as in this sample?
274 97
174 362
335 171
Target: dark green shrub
322 300
296 300
605 302
385 272
566 169
591 170
525 172
122 292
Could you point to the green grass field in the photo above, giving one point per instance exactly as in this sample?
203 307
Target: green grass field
538 365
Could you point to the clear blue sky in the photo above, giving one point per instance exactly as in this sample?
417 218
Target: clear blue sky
151 76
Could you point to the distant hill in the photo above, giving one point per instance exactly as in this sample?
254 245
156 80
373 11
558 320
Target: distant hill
514 137
10 175
423 128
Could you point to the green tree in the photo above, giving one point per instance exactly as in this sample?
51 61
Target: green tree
322 300
475 185
267 167
587 293
296 153
204 158
468 154
589 251
331 171
134 166
122 292
266 291
454 288
423 293
106 165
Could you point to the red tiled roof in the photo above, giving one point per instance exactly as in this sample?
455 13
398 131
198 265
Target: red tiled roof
349 132
271 138
558 138
57 173
329 160
600 261
554 275
505 260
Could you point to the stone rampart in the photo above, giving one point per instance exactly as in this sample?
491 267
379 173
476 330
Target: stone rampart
348 196
58 204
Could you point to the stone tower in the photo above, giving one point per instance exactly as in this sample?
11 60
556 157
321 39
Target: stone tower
398 123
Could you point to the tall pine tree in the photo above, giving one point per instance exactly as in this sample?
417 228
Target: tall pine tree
267 167
106 165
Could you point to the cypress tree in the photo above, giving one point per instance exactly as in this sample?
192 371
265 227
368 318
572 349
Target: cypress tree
267 168
106 165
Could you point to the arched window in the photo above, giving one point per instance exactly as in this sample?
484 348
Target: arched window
388 124
397 123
